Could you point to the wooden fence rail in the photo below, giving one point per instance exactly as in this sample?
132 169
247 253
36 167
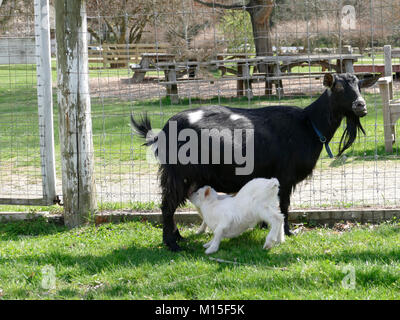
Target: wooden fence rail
121 55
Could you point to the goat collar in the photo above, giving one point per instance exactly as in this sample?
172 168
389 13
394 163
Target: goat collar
323 140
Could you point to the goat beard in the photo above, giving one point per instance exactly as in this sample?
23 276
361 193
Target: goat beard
353 126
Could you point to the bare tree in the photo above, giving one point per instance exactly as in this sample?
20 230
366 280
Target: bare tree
184 26
13 8
124 20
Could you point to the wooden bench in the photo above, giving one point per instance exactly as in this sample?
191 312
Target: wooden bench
121 55
390 106
282 66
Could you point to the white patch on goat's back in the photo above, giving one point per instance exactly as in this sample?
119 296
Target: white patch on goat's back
234 117
195 116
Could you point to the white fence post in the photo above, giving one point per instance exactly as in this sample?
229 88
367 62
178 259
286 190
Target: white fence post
77 159
45 99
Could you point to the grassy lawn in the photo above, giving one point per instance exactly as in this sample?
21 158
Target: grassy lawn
128 261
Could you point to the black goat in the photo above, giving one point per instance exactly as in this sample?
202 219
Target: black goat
287 143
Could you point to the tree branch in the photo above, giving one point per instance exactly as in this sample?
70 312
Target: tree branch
223 6
94 34
135 32
262 15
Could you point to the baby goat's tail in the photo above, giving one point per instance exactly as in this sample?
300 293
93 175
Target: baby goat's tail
143 129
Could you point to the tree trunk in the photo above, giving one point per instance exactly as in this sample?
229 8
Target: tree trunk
260 12
77 158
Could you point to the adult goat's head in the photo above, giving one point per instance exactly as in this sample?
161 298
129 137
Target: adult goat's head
347 100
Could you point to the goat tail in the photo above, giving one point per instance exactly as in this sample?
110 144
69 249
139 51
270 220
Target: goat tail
143 129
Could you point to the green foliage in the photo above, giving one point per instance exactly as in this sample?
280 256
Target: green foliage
237 30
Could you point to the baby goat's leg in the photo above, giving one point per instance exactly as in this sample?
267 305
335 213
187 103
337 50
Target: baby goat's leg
281 235
213 245
206 245
276 222
202 228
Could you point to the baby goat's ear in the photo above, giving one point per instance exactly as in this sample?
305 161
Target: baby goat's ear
207 192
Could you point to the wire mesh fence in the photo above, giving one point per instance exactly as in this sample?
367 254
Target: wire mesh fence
20 162
162 57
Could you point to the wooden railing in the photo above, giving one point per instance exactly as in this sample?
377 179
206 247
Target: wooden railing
121 55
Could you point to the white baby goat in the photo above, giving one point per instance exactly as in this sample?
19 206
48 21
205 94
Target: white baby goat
229 216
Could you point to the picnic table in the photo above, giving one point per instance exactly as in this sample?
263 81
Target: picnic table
282 66
149 62
243 66
117 55
237 64
344 62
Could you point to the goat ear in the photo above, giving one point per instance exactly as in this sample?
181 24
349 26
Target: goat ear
368 82
207 192
329 80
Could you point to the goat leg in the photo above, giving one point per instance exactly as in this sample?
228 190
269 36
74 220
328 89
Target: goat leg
284 197
170 232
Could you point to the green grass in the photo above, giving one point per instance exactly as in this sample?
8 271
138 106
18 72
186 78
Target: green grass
128 261
135 206
55 209
18 74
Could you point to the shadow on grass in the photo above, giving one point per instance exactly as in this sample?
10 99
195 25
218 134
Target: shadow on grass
36 227
244 250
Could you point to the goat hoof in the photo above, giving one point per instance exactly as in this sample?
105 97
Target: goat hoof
269 244
174 247
211 250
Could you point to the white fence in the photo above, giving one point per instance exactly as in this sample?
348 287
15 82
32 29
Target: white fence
17 51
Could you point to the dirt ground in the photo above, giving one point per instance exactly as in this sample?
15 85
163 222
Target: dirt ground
373 184
124 88
152 88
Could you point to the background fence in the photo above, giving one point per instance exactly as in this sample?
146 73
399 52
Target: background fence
26 120
20 160
166 56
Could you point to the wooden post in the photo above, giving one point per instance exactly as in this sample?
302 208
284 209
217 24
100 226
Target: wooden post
247 80
388 67
278 83
348 66
74 112
239 82
45 99
172 89
139 75
387 121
